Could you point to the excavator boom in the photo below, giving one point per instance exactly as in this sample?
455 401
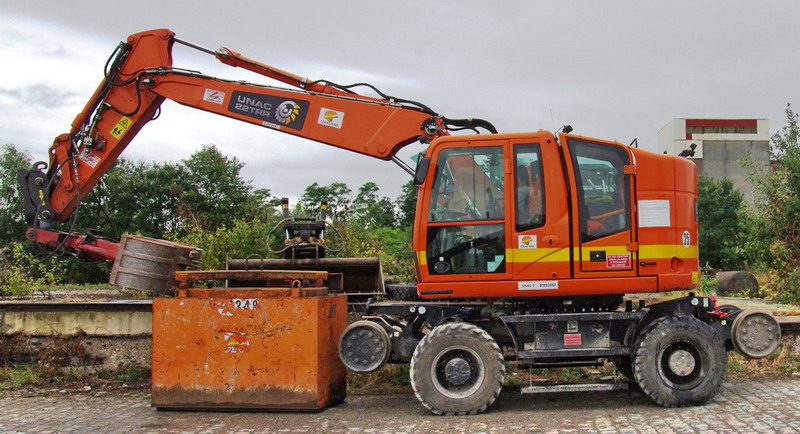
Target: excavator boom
140 76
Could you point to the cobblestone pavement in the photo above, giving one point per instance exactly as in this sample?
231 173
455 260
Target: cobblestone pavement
768 406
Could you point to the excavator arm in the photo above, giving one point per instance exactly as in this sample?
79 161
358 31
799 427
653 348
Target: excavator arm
139 76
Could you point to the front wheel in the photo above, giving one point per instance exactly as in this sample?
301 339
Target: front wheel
457 369
679 361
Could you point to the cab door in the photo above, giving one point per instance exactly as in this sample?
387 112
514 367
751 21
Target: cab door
601 176
540 237
465 233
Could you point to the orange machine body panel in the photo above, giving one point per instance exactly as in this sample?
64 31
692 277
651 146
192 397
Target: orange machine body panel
230 349
529 215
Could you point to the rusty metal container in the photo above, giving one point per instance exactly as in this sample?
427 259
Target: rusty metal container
150 264
248 348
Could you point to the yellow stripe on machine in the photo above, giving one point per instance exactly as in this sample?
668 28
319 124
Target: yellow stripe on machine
666 251
646 251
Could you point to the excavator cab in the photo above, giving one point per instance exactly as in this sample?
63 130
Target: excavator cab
535 215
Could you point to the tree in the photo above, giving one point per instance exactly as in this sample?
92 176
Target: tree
779 200
12 224
407 204
720 213
213 191
136 198
337 194
372 211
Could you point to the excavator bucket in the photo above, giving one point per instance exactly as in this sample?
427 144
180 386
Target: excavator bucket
358 278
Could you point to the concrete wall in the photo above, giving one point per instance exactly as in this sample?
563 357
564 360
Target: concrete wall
72 323
723 158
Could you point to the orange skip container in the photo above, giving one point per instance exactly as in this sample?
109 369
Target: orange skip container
248 349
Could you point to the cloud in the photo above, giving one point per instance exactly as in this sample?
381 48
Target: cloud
617 70
36 96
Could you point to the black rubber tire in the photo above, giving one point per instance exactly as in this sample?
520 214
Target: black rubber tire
454 342
402 291
624 366
683 336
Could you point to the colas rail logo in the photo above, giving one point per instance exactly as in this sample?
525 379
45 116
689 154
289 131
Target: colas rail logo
287 112
330 115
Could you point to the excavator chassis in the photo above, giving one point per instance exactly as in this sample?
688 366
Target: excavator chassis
674 350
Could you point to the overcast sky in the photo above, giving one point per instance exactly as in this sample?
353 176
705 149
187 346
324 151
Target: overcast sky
616 70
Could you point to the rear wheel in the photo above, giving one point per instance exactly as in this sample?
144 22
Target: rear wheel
679 361
457 369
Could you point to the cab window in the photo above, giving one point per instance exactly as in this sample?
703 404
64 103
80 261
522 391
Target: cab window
602 187
468 185
468 189
528 187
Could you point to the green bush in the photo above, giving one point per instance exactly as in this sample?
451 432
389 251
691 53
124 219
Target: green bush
21 273
721 214
778 191
241 239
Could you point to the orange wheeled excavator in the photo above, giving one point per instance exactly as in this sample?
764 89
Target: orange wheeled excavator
525 243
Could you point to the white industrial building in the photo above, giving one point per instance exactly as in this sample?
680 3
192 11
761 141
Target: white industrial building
721 146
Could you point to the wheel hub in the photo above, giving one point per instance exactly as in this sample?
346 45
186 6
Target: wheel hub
457 371
364 347
755 334
681 362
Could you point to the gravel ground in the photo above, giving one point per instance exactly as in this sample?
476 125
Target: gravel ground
763 406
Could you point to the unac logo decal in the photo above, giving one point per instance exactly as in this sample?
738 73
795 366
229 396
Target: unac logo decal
287 112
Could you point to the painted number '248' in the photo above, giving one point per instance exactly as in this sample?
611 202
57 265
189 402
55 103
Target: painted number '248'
244 303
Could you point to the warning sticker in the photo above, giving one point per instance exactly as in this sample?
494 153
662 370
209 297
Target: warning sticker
527 241
572 340
537 285
122 125
215 96
89 158
618 261
654 214
330 118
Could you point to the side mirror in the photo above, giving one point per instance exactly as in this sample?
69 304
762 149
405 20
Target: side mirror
422 170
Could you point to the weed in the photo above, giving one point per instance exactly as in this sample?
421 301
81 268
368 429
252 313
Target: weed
12 348
389 378
131 371
16 377
735 365
63 351
782 361
21 273
708 285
